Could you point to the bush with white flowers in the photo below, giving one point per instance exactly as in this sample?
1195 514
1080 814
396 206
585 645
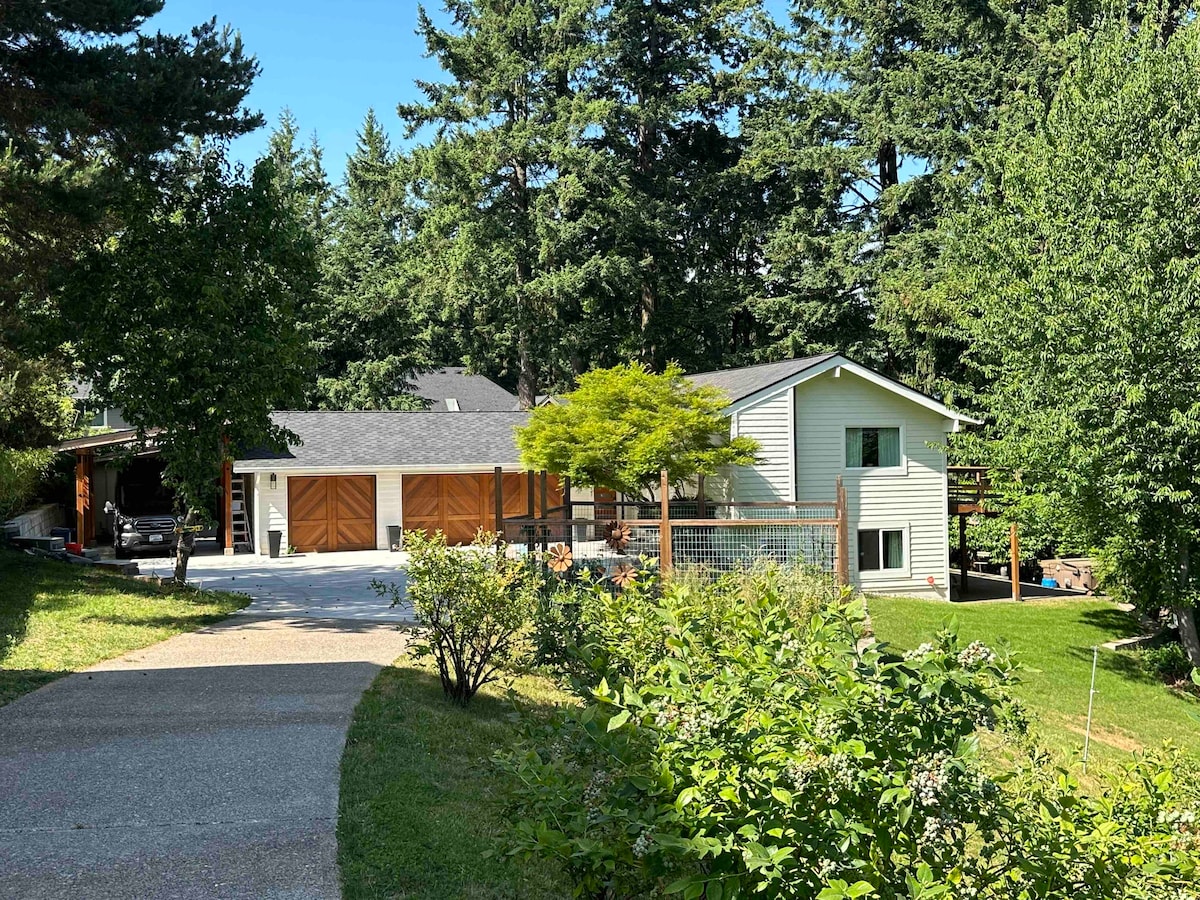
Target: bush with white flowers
757 755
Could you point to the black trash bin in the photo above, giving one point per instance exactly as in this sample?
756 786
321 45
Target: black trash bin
275 538
394 538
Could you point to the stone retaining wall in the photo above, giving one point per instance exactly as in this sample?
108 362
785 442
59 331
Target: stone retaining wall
35 522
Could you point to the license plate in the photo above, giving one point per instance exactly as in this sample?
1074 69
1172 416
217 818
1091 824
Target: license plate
156 538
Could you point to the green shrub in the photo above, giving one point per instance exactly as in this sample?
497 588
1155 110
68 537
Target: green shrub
21 473
474 605
1168 662
733 751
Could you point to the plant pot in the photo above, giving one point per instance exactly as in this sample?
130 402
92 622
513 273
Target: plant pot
394 537
275 540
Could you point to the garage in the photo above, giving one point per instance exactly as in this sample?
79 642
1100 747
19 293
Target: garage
331 512
460 505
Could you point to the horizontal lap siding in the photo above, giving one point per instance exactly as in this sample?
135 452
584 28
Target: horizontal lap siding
770 478
825 407
270 506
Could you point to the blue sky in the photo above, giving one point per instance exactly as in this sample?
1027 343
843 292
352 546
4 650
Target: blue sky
327 62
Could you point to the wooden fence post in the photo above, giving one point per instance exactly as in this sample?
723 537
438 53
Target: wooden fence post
701 511
531 536
1014 546
568 511
545 511
664 525
499 492
843 536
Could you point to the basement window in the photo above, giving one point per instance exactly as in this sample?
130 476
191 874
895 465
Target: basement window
880 549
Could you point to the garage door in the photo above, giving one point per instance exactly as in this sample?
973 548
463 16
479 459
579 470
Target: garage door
333 512
460 505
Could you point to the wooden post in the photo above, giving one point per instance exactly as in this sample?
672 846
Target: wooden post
85 513
568 511
545 514
843 536
531 514
962 556
1015 565
499 487
227 504
664 525
700 498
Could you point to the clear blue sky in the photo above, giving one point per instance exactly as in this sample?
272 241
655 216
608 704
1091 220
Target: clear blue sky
326 61
329 62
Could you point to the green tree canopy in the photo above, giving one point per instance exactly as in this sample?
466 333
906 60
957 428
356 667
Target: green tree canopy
190 316
1083 285
622 426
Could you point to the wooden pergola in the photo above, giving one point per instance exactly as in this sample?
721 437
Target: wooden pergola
85 449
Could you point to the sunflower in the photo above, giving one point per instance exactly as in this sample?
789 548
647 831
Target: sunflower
559 558
616 535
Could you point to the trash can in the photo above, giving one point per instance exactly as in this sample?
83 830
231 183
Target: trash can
394 538
275 538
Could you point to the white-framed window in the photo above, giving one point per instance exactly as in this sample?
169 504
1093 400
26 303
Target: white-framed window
883 549
875 447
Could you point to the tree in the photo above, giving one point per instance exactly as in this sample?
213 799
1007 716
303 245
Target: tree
190 314
622 426
493 189
1079 275
366 327
88 104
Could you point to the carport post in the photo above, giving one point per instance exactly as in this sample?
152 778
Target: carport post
227 505
85 512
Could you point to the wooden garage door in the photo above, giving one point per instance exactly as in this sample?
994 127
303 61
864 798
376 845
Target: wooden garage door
331 512
460 505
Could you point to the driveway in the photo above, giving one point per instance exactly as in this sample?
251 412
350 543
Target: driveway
310 585
205 766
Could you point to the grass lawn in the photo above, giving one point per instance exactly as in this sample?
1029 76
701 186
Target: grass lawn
57 618
1053 639
420 802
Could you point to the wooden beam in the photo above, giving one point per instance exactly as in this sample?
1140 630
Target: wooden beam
227 504
85 512
962 557
664 525
1015 553
843 535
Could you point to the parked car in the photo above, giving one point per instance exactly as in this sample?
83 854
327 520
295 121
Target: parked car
132 534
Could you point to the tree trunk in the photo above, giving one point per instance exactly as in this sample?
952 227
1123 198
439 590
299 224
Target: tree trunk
1184 612
183 548
889 177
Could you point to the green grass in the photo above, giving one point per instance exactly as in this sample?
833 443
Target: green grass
421 803
57 618
1053 639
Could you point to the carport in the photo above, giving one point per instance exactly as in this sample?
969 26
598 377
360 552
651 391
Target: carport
93 486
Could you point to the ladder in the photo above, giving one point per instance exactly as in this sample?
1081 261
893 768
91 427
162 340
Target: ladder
241 523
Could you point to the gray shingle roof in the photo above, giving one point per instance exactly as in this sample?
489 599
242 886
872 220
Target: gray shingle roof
370 439
473 392
739 383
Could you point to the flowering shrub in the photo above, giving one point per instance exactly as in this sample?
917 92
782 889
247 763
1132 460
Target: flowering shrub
744 753
474 605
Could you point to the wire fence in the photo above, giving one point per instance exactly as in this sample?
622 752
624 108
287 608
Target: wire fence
703 534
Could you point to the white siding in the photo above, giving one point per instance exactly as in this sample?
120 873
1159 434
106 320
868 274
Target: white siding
913 498
769 423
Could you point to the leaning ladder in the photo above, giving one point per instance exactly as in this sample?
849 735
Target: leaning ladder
241 523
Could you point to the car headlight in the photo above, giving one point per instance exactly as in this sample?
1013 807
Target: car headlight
128 526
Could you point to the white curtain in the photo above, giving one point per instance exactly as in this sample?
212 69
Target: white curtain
889 447
893 549
853 448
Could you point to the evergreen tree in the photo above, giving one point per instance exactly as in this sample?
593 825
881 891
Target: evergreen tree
495 190
367 337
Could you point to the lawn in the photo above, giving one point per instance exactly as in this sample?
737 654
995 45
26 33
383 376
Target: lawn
420 801
1053 639
57 618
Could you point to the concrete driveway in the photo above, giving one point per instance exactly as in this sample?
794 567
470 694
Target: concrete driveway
309 585
205 766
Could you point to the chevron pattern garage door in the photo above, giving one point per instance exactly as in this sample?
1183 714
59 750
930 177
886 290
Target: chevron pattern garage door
331 512
460 505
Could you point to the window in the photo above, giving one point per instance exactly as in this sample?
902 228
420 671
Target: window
880 548
872 448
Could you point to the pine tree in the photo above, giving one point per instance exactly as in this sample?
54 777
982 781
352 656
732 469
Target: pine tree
495 188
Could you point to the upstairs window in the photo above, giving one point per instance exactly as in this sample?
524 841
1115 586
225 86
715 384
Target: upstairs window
880 548
872 448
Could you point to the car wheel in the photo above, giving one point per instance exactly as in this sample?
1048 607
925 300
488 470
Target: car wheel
122 553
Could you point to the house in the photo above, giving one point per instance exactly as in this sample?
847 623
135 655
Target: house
822 417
